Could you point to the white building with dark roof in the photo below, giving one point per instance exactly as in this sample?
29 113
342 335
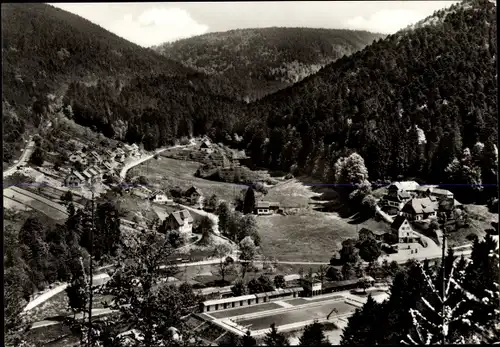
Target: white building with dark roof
74 180
266 207
159 197
181 221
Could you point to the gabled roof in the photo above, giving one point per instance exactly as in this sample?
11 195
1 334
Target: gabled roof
157 192
87 174
107 164
193 190
93 172
108 152
77 174
398 221
205 143
95 155
405 185
420 205
375 232
266 204
180 216
439 191
262 204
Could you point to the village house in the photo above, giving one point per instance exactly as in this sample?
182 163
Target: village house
120 157
266 207
131 150
107 165
407 238
206 146
396 199
193 195
119 151
420 209
181 221
74 180
96 156
429 191
399 193
109 153
159 198
365 233
78 156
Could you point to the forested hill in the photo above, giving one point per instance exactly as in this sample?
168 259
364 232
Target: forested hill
409 105
261 61
44 49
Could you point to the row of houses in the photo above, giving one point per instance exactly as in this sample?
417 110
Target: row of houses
416 202
107 157
400 237
75 179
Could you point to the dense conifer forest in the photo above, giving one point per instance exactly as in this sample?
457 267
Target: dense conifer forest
261 61
420 103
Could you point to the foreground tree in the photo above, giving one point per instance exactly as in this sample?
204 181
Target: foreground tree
37 157
248 340
275 338
247 255
313 335
249 202
239 288
143 302
363 326
369 250
453 313
260 285
224 267
224 214
279 281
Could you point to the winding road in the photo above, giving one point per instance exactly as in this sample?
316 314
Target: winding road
23 159
128 166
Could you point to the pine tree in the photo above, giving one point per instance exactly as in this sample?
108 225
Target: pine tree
248 340
275 338
444 315
313 335
249 202
363 327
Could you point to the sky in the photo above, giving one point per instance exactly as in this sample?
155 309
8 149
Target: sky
149 24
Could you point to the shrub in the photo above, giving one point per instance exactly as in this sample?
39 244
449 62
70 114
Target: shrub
184 141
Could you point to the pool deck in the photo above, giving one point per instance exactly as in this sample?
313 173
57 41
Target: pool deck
289 314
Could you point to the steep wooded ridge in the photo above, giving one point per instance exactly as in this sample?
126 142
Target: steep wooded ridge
409 105
258 62
45 48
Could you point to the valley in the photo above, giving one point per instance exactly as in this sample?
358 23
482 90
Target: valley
254 186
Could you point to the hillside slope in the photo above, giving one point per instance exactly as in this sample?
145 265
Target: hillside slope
408 104
45 48
261 61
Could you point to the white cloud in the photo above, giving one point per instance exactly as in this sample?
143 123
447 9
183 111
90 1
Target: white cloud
385 21
157 25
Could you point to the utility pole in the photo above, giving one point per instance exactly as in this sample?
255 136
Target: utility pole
91 277
443 264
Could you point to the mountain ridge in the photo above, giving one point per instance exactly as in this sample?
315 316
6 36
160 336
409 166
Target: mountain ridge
260 61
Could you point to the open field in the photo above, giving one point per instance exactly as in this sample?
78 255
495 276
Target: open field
133 206
299 315
306 236
167 173
291 193
35 202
